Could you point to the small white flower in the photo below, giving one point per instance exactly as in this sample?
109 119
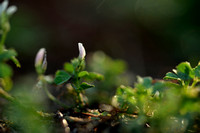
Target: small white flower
82 52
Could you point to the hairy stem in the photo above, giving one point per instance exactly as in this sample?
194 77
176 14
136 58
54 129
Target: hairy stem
50 96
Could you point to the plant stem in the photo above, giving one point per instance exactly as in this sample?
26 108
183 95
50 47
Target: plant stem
195 81
51 96
5 95
81 61
79 98
3 38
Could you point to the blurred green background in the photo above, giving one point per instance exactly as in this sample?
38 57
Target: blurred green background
153 36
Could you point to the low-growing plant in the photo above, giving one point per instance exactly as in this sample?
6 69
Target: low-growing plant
6 54
151 106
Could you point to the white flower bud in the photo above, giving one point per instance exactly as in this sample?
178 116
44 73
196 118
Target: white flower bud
44 63
40 56
11 10
41 61
82 52
3 6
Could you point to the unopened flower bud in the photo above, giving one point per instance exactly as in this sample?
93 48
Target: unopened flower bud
11 10
3 6
82 52
41 61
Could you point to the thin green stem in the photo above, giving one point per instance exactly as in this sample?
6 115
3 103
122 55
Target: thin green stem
79 66
195 81
2 42
183 84
54 99
79 98
5 95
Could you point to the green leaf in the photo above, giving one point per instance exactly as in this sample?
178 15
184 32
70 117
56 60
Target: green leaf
172 76
184 67
85 85
15 60
75 62
68 67
185 71
83 73
125 98
7 54
6 83
78 64
61 77
197 71
5 70
123 90
144 83
95 76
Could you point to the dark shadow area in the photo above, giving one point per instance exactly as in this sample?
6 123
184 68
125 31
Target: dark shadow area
152 37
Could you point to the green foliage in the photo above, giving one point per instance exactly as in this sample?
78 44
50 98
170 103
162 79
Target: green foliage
83 74
16 61
25 117
85 85
95 76
144 83
125 99
68 67
76 75
169 105
197 71
20 111
5 70
61 77
91 76
103 64
135 99
114 72
161 103
7 54
185 74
